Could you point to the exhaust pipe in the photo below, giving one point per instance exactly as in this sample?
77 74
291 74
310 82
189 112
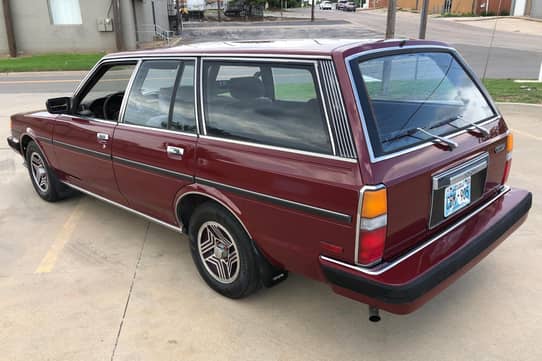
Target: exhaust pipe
374 314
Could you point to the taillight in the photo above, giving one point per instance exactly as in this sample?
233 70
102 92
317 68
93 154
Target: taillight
508 164
372 223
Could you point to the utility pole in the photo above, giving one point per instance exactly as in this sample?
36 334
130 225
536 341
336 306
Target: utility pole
390 21
312 10
218 10
179 17
9 29
119 37
423 19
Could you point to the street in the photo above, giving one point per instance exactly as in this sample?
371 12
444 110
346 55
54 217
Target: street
515 55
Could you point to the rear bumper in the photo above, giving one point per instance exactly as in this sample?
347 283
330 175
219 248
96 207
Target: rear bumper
14 144
404 285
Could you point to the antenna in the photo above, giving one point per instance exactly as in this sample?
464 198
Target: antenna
492 38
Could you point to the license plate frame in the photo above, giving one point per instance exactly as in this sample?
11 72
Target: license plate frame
457 196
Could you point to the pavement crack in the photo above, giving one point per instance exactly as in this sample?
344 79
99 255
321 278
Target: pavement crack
130 292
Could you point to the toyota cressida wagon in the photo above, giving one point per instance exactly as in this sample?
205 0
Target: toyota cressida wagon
378 167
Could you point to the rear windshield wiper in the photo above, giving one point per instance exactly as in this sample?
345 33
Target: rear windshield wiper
482 130
437 138
410 132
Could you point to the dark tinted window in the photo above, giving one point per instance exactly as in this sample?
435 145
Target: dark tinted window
155 85
269 104
425 90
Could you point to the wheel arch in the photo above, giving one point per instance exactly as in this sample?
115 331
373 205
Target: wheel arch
25 139
190 199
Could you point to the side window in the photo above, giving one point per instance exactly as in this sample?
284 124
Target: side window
265 103
155 85
150 96
104 97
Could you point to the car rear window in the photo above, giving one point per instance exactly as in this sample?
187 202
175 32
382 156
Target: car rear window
403 93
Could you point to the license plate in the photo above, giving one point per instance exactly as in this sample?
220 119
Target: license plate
457 196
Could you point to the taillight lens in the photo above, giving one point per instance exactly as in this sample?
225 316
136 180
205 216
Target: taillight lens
508 165
373 221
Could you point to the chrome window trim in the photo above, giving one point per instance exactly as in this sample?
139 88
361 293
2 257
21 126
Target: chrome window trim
386 267
362 119
358 218
91 72
302 207
178 132
213 198
218 55
286 150
343 131
152 219
313 63
127 93
130 85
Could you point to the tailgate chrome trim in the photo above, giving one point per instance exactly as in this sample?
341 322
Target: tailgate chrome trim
461 171
378 270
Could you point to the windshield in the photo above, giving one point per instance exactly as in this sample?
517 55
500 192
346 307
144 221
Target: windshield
411 92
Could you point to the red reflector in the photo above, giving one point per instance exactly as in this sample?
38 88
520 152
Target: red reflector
331 247
371 246
506 173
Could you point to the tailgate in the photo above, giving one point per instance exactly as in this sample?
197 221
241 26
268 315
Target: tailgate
435 140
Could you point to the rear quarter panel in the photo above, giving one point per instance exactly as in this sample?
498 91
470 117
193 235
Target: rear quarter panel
289 236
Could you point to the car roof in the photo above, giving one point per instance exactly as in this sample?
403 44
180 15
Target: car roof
290 48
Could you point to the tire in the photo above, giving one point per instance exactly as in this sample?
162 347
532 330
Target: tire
42 177
222 252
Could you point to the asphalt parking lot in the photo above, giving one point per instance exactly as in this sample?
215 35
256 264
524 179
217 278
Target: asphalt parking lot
82 280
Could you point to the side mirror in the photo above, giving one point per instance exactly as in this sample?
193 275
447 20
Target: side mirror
59 105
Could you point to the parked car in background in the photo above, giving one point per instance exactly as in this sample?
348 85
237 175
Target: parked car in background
349 6
340 4
378 167
326 5
235 8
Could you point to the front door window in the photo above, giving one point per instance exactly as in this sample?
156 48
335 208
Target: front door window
103 96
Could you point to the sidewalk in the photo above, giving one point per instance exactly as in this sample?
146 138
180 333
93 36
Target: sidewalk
507 24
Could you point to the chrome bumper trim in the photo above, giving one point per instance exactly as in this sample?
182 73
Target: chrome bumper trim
378 270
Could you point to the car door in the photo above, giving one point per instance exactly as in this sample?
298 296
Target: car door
82 140
154 146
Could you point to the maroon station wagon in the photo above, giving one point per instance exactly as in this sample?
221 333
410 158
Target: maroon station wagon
378 167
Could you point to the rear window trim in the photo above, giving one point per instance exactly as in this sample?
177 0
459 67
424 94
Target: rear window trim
352 61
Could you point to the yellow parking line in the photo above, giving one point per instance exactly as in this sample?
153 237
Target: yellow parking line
48 262
526 134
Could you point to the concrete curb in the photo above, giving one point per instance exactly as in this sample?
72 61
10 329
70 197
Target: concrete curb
44 73
521 104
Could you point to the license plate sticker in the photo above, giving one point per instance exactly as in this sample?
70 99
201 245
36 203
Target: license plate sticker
457 196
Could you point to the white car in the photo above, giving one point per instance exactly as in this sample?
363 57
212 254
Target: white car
326 5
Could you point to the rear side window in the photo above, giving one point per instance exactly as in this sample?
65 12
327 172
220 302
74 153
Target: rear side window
263 103
404 93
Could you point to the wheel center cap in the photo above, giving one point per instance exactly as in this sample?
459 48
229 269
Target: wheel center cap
41 172
220 251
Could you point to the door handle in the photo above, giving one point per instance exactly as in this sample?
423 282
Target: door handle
175 150
102 136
